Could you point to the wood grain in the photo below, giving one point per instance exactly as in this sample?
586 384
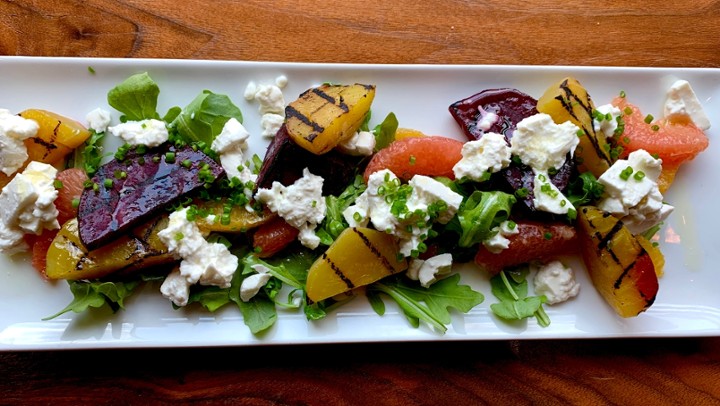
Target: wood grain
584 32
632 33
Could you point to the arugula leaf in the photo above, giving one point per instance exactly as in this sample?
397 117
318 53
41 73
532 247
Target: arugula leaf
585 189
97 294
259 314
204 118
283 270
514 302
334 222
480 213
136 97
91 153
429 305
385 132
210 297
365 126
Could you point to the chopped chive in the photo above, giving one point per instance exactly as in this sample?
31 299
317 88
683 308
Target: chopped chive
75 203
186 163
170 157
655 127
625 174
622 94
628 111
58 184
548 235
639 175
108 183
91 70
649 118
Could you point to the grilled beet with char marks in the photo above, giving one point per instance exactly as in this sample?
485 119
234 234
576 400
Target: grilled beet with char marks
474 115
130 190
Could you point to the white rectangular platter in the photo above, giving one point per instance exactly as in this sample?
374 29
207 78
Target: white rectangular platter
688 303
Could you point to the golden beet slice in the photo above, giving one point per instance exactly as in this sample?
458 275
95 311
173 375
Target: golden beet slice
358 257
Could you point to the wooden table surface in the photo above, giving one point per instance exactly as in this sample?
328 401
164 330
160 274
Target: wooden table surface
586 32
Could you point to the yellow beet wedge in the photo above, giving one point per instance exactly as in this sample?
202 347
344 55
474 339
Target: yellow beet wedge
57 136
324 116
568 100
238 219
67 257
620 267
358 257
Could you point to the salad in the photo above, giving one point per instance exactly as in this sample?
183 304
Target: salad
339 209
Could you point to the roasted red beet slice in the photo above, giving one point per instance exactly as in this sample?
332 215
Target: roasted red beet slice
511 106
137 187
285 160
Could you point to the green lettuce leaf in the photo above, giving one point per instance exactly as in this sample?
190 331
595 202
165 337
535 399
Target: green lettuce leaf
385 131
204 118
136 97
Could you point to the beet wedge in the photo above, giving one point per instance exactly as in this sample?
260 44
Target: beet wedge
137 187
511 106
285 160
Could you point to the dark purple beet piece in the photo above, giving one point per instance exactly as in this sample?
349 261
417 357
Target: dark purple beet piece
285 160
151 183
511 107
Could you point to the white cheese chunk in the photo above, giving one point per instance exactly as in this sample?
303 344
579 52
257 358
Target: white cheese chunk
488 154
176 288
27 206
149 132
542 144
609 123
411 231
547 197
362 143
555 281
251 285
98 120
301 204
271 104
13 131
499 240
430 270
202 262
632 193
682 101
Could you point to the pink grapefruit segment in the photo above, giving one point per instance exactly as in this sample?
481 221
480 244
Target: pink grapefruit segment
406 157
